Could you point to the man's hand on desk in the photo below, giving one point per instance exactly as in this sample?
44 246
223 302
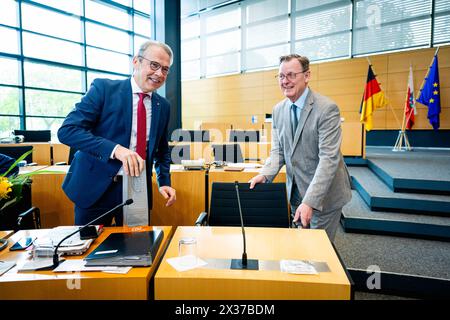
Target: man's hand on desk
168 193
133 164
257 179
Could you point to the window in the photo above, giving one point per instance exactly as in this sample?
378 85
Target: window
51 23
69 6
9 100
110 61
63 52
252 34
10 40
382 25
107 38
37 46
8 14
108 14
441 30
39 75
323 31
190 48
48 103
10 71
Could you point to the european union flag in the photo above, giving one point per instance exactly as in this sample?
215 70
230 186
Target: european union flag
430 95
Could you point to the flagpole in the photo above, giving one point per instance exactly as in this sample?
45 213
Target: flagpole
389 103
406 102
398 146
428 72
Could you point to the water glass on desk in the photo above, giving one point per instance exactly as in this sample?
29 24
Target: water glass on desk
187 251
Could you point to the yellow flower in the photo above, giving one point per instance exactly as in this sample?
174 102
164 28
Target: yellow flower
5 187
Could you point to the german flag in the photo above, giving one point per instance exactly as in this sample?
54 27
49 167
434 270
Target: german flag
373 98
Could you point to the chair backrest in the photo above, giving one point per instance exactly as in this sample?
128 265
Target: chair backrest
264 206
10 215
72 152
34 135
180 135
17 151
228 153
244 136
180 152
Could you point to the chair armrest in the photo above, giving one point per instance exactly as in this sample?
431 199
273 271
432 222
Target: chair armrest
201 220
62 163
36 217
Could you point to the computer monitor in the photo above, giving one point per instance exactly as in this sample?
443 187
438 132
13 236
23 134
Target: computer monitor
244 136
16 152
34 135
228 153
180 135
180 152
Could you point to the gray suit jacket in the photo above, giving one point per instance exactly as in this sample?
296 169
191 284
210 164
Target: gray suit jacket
313 155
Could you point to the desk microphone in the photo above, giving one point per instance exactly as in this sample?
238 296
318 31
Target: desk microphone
55 253
243 264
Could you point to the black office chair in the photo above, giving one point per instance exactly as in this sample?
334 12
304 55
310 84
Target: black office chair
264 206
180 152
17 151
34 135
180 135
21 215
227 153
244 136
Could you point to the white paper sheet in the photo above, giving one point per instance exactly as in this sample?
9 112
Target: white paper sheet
78 265
184 263
297 267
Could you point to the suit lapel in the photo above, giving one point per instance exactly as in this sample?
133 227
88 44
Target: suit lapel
301 122
128 110
156 112
287 121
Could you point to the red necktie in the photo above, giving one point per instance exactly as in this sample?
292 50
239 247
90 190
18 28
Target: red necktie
141 137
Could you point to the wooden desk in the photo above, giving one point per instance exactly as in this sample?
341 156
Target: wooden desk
5 234
41 151
42 285
47 194
190 189
263 244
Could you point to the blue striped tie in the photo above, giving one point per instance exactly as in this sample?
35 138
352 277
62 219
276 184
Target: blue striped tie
294 110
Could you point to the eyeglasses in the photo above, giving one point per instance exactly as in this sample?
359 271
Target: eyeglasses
155 66
290 76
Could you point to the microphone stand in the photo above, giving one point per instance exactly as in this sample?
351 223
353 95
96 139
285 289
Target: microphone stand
244 263
55 253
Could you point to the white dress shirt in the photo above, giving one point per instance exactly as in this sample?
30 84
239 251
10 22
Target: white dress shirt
148 109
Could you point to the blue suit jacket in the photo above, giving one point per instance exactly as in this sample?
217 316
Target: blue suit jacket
5 163
100 121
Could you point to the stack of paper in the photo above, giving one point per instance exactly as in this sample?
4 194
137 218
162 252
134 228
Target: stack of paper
45 245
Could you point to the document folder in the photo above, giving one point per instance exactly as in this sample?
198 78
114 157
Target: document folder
134 249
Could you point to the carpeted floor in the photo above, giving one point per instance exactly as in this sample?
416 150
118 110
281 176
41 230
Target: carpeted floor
394 254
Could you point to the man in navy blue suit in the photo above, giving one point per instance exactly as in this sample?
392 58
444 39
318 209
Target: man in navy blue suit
116 126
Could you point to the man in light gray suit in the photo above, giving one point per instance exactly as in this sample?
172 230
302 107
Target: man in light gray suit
306 137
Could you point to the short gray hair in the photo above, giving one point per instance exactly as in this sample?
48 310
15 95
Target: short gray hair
154 43
304 61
